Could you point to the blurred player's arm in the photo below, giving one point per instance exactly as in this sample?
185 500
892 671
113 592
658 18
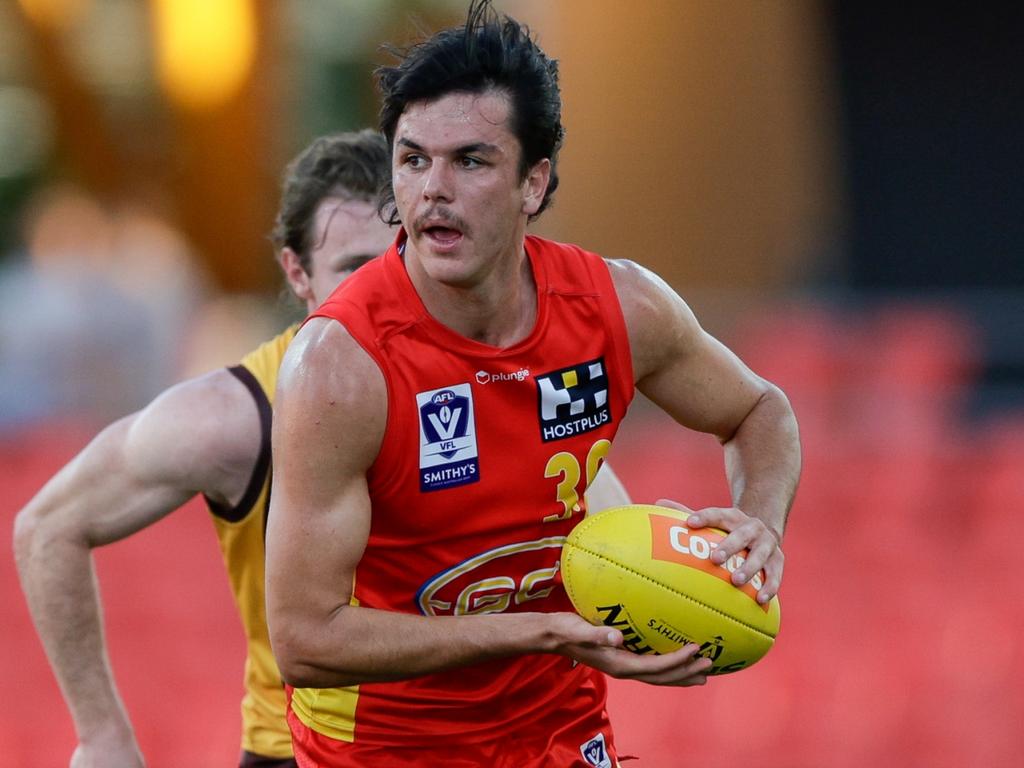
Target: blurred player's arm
201 435
606 491
329 422
704 386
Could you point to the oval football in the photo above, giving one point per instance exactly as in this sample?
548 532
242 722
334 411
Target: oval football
640 569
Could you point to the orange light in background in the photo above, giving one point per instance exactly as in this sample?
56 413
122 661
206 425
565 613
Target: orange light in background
54 14
204 49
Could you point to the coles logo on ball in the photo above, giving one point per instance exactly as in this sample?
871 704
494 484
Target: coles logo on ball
674 542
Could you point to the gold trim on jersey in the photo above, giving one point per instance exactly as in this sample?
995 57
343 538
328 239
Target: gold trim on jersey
329 711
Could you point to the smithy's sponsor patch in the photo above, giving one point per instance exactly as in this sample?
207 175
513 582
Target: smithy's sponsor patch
448 450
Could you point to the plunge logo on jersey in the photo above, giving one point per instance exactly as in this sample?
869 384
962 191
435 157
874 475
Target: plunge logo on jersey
448 449
573 400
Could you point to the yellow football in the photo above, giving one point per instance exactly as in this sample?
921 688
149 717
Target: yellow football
640 569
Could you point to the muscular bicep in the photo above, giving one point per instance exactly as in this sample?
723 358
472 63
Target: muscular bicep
678 365
329 415
197 437
706 387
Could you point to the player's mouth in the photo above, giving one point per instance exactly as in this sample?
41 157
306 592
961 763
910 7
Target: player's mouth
443 238
442 233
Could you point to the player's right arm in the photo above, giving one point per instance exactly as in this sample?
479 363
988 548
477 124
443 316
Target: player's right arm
200 436
330 413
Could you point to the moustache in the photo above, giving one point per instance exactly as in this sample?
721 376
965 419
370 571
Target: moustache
439 217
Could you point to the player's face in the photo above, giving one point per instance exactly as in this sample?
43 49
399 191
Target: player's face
457 185
348 233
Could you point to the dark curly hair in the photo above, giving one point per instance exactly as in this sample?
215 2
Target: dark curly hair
489 51
353 166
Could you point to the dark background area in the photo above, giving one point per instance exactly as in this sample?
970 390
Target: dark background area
932 105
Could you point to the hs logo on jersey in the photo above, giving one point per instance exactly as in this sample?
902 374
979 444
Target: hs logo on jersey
573 400
448 449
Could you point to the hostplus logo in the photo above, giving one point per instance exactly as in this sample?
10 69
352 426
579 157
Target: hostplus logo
573 400
486 377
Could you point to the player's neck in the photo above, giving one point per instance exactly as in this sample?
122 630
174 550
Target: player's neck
500 310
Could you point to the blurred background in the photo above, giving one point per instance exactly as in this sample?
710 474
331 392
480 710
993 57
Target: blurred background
836 188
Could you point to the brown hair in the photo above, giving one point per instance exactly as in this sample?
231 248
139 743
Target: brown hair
353 166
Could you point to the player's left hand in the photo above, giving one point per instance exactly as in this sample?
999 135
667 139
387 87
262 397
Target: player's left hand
745 532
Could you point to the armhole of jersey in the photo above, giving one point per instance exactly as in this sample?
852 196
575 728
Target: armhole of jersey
617 326
262 467
380 360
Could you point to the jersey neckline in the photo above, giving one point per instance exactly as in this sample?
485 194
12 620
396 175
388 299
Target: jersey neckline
394 265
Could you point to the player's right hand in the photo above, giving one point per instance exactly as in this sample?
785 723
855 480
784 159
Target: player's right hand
679 668
601 648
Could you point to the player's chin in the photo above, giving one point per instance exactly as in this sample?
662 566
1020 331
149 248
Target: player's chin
451 271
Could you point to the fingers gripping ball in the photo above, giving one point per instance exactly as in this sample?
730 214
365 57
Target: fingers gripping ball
640 569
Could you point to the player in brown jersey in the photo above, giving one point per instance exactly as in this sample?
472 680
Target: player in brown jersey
202 434
472 116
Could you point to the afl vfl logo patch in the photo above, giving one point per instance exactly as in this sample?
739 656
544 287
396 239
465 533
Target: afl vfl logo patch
596 753
573 400
448 450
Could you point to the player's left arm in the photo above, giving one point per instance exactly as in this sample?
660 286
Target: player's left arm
704 386
606 491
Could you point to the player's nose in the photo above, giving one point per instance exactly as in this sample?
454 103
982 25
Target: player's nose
438 184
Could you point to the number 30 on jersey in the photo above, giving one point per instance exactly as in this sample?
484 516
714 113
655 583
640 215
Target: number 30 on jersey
565 467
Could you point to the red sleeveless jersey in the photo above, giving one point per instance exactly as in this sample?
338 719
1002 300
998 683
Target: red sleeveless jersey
481 475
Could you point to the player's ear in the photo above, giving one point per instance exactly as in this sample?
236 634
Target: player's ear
295 274
535 185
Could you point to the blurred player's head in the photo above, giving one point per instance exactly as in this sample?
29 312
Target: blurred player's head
490 52
328 224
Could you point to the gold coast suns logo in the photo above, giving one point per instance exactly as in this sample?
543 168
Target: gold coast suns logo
495 581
